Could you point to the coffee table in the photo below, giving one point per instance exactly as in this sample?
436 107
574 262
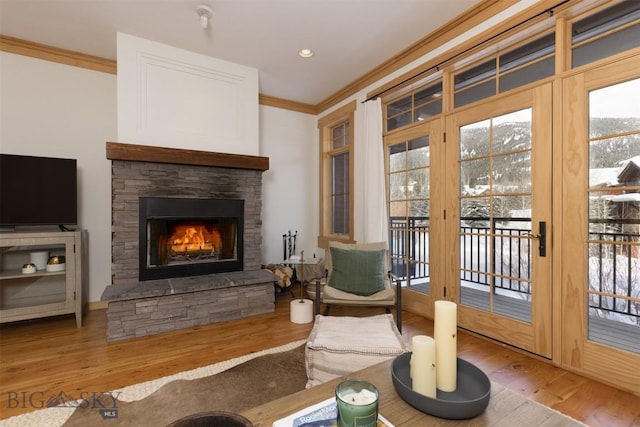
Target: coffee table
505 408
396 410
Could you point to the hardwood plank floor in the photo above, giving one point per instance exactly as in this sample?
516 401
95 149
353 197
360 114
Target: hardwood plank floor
43 357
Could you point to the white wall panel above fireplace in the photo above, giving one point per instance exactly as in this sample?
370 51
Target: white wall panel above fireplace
173 98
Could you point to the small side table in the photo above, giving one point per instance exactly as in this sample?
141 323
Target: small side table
301 308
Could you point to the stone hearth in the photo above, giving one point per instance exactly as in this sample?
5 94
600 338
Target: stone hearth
138 308
156 306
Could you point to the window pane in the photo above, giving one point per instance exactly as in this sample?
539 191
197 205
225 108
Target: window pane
418 155
399 121
516 208
474 177
608 156
428 102
475 212
398 157
419 209
341 173
398 210
399 106
597 24
512 131
512 173
340 194
528 53
484 71
474 140
340 216
614 109
620 41
340 135
531 73
428 110
475 93
398 186
419 183
428 94
605 20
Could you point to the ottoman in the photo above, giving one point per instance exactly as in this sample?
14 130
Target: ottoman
340 345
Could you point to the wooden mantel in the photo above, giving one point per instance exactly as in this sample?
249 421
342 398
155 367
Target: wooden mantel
145 153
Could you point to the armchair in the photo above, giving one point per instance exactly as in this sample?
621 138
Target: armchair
359 275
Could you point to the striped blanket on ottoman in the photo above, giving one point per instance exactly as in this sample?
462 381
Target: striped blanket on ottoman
340 345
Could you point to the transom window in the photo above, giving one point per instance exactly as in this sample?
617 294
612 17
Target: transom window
605 33
517 67
416 106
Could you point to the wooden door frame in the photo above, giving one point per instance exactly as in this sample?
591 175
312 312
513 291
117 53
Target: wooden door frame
538 339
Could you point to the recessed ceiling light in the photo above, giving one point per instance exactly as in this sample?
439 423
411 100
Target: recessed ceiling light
305 53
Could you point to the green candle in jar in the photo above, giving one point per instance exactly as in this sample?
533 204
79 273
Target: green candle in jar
357 403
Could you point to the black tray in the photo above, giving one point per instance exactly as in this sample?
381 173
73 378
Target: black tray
470 399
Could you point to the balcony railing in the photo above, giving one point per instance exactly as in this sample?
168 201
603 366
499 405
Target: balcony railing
510 261
409 245
614 269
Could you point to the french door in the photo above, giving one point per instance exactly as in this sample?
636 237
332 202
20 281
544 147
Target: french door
601 217
498 214
414 173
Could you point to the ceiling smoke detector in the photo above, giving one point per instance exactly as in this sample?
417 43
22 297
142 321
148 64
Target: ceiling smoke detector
205 13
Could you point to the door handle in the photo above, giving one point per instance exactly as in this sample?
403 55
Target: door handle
542 238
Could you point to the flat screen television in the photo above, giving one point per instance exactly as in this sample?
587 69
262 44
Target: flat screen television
38 191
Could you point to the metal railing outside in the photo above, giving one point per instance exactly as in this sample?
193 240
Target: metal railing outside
614 270
510 259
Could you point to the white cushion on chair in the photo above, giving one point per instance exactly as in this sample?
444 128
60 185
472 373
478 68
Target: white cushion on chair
388 294
341 345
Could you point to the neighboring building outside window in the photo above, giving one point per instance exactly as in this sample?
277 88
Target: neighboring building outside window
336 175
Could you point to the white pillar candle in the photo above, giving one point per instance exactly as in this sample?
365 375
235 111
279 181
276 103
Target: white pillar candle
445 334
423 365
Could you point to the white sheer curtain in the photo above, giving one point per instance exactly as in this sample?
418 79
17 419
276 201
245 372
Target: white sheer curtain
375 211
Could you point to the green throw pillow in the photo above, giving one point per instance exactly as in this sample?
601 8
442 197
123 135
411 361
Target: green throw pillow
357 272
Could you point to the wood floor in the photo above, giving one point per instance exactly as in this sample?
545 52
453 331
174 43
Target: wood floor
42 358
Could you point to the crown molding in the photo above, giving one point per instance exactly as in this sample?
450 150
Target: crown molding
55 54
287 104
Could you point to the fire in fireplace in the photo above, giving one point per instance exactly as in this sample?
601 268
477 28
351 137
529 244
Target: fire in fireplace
187 237
191 239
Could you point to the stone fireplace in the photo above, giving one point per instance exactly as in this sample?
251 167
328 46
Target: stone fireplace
186 240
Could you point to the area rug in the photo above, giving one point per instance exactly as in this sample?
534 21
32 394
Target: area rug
240 384
233 385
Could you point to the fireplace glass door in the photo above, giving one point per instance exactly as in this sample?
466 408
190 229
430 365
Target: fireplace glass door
186 241
188 237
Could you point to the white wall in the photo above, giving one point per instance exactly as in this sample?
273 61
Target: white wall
55 110
290 186
49 109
